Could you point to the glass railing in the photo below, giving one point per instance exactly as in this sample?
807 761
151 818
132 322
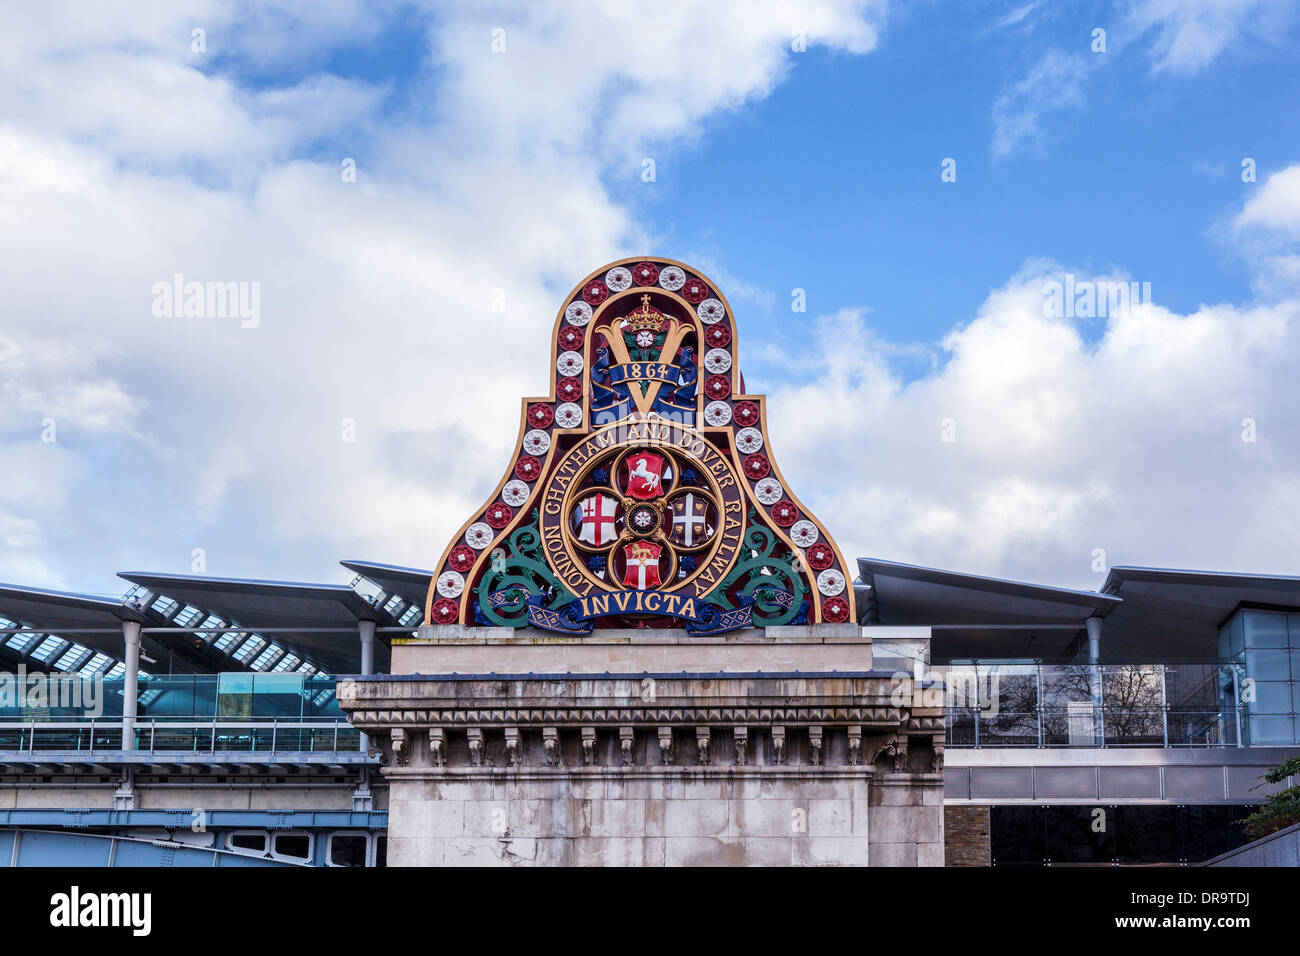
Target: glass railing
277 735
181 697
1110 705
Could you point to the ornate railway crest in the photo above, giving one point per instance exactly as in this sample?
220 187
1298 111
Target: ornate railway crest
643 492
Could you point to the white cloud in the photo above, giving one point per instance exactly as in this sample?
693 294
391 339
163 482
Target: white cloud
1053 85
126 159
1123 433
1191 34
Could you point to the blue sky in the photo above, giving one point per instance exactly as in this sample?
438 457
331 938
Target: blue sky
832 182
128 156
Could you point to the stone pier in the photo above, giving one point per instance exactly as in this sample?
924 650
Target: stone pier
650 747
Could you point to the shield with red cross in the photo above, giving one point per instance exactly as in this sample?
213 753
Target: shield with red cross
595 518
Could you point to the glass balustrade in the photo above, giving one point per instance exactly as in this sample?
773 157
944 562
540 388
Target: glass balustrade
1078 705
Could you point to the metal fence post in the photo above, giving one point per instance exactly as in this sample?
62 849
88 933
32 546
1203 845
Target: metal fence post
1164 704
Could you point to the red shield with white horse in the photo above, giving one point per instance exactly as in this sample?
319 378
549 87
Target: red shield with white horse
645 474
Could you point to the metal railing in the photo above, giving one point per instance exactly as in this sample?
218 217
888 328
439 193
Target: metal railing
273 735
1012 704
1047 727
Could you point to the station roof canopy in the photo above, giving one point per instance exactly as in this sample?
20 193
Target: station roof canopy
1150 614
410 584
302 609
1180 612
973 616
50 612
910 594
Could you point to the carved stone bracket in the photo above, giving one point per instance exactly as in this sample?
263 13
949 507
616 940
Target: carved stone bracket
778 744
626 738
741 735
703 739
513 755
401 754
898 749
437 746
475 736
551 746
855 746
666 745
815 746
589 746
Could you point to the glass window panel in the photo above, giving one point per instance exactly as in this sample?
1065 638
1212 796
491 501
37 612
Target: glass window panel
1132 687
1207 831
1265 629
1017 835
1265 731
1064 684
293 844
277 695
235 695
205 695
348 849
1236 634
1133 728
961 728
1268 663
248 841
1075 836
1272 697
1195 686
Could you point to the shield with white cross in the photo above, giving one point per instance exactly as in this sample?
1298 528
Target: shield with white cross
690 527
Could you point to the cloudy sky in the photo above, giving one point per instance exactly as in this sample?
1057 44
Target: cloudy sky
928 404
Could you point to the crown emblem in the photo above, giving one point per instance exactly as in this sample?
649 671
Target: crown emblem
645 318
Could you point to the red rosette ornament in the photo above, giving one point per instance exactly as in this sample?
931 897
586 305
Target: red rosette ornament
461 558
717 336
820 556
717 387
784 513
595 292
745 414
569 389
498 515
645 273
541 416
694 291
757 466
835 610
444 611
527 468
571 338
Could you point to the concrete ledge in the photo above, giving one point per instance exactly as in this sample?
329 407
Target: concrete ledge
447 649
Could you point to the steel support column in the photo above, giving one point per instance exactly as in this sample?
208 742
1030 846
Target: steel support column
130 689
